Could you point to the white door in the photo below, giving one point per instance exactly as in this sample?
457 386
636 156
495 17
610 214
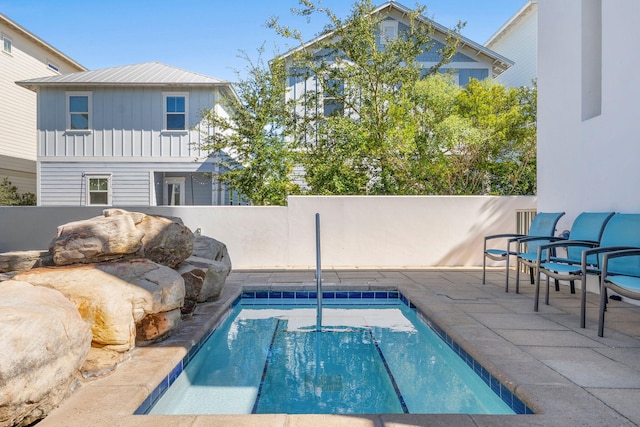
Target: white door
174 190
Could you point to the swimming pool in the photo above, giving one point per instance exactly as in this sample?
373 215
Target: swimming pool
375 354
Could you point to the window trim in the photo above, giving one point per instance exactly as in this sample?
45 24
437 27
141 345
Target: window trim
166 95
88 176
165 189
391 24
68 113
6 38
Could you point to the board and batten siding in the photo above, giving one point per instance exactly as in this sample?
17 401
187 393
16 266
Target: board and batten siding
132 183
126 123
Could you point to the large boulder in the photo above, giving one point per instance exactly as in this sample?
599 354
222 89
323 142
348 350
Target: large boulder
95 240
24 260
204 280
122 234
114 296
44 343
210 248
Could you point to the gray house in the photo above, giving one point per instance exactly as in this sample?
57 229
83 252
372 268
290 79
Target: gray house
127 136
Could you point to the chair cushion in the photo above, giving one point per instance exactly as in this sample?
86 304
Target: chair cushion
561 268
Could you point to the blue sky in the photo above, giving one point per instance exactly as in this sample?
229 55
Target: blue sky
206 36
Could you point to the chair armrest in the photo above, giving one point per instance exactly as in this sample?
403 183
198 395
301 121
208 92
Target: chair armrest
501 236
616 254
564 244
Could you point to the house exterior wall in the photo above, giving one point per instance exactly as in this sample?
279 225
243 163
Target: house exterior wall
126 142
18 136
588 164
519 42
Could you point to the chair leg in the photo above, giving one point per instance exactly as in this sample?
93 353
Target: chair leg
537 292
546 295
506 279
603 303
484 268
557 283
531 275
572 284
583 302
517 275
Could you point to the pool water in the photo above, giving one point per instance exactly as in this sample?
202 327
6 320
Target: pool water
365 360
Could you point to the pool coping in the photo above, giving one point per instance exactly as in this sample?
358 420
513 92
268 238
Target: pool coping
112 400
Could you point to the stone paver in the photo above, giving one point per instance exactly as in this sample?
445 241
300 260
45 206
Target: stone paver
568 375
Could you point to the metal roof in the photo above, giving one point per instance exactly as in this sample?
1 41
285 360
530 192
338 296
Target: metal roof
16 27
146 74
499 62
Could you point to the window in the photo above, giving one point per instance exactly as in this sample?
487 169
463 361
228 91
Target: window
7 44
53 66
174 191
388 31
175 111
98 189
78 110
333 97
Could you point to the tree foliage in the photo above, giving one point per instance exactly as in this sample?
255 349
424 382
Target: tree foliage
9 195
372 120
254 134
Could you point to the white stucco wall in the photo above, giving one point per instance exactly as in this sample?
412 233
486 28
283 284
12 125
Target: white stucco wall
356 232
590 164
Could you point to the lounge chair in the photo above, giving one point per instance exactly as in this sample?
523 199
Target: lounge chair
585 233
621 231
543 225
621 274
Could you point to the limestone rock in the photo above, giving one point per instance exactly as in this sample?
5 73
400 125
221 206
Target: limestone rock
112 297
24 260
156 327
95 240
44 343
166 239
204 280
210 248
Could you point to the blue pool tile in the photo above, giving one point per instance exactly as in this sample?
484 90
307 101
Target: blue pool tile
355 295
175 372
275 295
342 295
519 407
368 295
328 295
262 295
381 295
313 295
495 386
248 294
394 295
302 295
288 295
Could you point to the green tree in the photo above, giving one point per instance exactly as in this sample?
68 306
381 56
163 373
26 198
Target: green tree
254 135
480 139
9 195
364 147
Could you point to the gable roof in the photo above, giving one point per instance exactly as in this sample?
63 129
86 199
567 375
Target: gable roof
499 62
529 7
37 40
146 74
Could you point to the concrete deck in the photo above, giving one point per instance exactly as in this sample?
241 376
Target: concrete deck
568 375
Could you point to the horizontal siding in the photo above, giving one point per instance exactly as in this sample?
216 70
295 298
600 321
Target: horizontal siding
126 122
520 44
63 183
18 136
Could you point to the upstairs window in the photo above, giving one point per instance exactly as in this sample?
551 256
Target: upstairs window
98 189
7 44
388 31
53 66
78 110
175 111
332 97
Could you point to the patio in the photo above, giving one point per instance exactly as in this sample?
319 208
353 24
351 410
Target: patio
568 375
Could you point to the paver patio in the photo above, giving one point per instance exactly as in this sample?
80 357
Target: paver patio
568 375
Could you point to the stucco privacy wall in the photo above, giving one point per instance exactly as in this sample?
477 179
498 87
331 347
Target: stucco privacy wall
362 232
588 162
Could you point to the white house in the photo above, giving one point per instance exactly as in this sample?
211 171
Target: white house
472 60
588 147
23 56
126 136
517 39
